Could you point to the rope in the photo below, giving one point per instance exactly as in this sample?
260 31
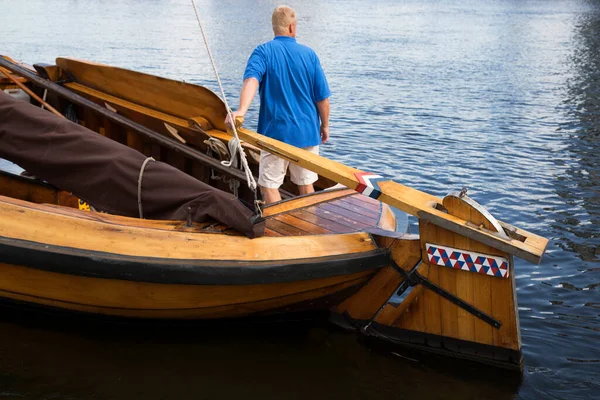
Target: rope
249 177
140 185
234 146
44 97
217 147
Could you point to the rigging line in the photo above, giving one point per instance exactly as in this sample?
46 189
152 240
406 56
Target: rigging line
248 172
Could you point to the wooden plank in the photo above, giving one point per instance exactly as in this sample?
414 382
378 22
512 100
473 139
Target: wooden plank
512 336
364 219
152 299
476 287
180 99
466 290
502 306
366 303
297 301
285 229
447 278
52 71
367 218
5 80
359 200
305 201
92 120
323 222
134 141
113 131
152 119
42 225
392 313
410 314
272 233
432 308
118 103
354 208
25 189
117 220
324 213
387 220
305 300
303 225
480 293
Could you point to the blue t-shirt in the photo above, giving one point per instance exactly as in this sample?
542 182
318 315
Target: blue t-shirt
291 83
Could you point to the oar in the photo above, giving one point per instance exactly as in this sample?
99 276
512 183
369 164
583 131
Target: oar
30 92
523 244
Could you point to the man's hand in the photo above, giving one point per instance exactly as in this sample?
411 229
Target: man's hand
234 115
324 133
249 88
323 109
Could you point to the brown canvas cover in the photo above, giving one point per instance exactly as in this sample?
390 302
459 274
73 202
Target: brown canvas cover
105 173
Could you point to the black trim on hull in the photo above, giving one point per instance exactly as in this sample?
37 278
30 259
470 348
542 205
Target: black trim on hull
103 265
436 344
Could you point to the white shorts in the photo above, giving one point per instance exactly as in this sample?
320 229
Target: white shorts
272 170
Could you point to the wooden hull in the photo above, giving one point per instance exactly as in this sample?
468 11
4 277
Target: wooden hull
152 269
176 301
449 290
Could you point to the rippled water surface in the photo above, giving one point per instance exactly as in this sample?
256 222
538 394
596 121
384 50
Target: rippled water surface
501 96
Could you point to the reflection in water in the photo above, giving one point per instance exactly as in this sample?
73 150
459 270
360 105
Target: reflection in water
293 360
500 96
581 185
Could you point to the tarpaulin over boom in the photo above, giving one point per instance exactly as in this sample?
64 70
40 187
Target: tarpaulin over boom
105 173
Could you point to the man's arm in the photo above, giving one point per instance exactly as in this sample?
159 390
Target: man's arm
323 109
249 88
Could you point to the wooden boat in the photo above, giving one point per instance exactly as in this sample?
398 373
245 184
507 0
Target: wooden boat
337 249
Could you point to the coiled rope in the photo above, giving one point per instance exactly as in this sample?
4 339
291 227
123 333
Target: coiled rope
249 177
217 147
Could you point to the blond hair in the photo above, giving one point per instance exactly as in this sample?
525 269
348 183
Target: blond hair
282 17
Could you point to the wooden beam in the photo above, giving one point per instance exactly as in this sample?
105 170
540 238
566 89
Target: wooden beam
172 97
409 200
197 128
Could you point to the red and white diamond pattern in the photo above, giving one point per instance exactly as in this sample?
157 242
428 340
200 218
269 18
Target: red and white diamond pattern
467 260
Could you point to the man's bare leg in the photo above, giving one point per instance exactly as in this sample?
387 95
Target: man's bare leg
306 189
270 195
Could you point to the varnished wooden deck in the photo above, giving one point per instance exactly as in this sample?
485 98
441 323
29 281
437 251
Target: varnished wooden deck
339 211
349 213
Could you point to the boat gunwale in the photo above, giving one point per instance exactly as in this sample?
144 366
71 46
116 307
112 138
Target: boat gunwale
104 265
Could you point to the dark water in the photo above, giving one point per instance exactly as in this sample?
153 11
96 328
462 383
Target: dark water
500 96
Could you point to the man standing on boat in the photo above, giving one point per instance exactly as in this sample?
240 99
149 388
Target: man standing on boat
294 102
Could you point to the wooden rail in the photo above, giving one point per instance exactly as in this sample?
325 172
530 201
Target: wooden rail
523 244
